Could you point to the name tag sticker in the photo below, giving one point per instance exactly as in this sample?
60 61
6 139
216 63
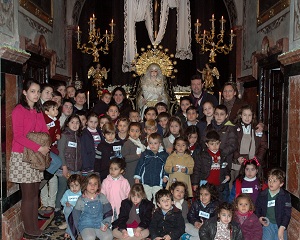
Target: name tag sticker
247 190
271 203
72 198
96 137
52 124
137 211
72 144
116 148
204 214
138 151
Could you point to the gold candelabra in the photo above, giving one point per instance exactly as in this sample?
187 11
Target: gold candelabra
96 42
207 39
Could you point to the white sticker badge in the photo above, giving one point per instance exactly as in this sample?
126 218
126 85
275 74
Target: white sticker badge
271 203
247 190
204 214
72 144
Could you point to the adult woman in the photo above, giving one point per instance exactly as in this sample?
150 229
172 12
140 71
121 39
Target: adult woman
27 117
153 89
119 98
46 92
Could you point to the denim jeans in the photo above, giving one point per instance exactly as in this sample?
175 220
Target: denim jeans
271 232
55 163
92 233
62 187
67 212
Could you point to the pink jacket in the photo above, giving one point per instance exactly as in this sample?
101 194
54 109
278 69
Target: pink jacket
23 122
115 191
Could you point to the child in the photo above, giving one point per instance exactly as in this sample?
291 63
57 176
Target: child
82 116
273 207
151 114
134 116
223 227
102 105
245 217
57 98
71 90
202 209
113 112
212 167
132 150
69 200
92 213
103 119
167 221
250 143
179 192
161 107
70 154
180 164
249 181
115 187
150 127
163 119
80 99
61 87
192 135
150 168
135 215
174 129
89 140
67 110
208 111
106 150
122 127
192 117
184 103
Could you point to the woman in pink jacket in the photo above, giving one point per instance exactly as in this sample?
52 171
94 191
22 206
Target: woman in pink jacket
27 117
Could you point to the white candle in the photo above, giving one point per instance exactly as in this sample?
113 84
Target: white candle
231 36
197 26
220 97
112 26
213 22
91 24
88 99
78 35
106 37
222 23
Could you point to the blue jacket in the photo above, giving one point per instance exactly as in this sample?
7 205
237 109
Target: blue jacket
283 207
150 168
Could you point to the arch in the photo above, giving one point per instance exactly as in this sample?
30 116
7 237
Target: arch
78 5
232 11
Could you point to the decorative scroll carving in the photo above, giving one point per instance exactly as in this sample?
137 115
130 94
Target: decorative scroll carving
274 24
7 15
230 5
35 25
77 10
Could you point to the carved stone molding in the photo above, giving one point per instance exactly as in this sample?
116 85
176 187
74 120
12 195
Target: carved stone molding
77 11
289 57
14 55
230 5
275 24
35 25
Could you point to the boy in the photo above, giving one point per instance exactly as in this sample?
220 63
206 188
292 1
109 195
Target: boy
167 221
273 207
212 166
80 99
150 127
192 118
71 93
134 116
67 110
150 168
82 117
184 103
162 119
161 107
102 105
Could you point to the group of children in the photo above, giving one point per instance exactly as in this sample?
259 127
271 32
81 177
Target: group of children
166 160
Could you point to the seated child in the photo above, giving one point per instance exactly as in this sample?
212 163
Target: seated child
83 118
192 118
173 130
135 215
222 227
122 127
273 207
167 221
179 192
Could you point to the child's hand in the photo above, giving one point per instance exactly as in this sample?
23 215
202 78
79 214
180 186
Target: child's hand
169 150
227 178
241 160
138 232
57 136
139 155
165 179
125 234
183 170
197 225
167 237
281 233
65 172
175 169
103 228
259 128
263 222
68 204
136 180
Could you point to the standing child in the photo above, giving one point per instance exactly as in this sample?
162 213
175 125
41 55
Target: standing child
113 112
71 90
67 110
161 107
167 221
192 118
90 139
150 127
69 200
273 207
115 187
221 227
70 154
80 100
184 103
208 111
249 181
151 114
132 150
106 150
102 105
92 213
180 164
202 209
150 168
245 217
162 120
83 118
122 127
179 192
134 116
192 135
135 215
174 130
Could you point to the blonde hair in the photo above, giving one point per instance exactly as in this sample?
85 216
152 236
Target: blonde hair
137 189
150 123
109 128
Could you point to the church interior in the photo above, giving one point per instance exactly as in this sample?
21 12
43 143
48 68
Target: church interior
252 44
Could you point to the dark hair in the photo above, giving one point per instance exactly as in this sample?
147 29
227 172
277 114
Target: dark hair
74 178
49 104
191 130
71 86
233 85
278 173
104 116
109 128
45 85
112 105
135 124
257 165
185 98
212 136
23 101
162 104
163 115
122 90
80 91
180 184
173 119
65 100
147 110
155 136
240 112
134 111
214 195
192 107
86 182
91 114
225 206
56 94
68 120
222 107
59 83
245 196
180 138
123 119
197 76
162 193
137 189
119 161
82 113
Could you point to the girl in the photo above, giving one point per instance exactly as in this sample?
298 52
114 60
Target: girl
179 191
61 87
208 111
174 129
151 114
244 216
132 150
192 135
102 105
89 140
202 209
46 92
27 117
103 119
250 143
92 213
83 119
135 215
249 181
122 127
57 98
115 187
184 103
113 112
180 164
221 227
70 153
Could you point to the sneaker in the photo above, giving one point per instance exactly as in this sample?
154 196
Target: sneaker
63 226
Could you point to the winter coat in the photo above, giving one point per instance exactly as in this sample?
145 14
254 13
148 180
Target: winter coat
251 227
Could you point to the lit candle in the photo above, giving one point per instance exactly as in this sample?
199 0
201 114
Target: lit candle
204 34
220 97
197 26
231 36
213 21
106 37
91 24
78 35
222 23
88 99
112 26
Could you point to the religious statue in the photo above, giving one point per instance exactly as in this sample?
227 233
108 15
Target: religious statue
152 88
207 76
98 74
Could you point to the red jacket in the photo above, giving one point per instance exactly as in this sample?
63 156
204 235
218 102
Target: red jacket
53 129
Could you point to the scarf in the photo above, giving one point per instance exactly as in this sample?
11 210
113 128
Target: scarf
137 143
229 104
243 216
215 156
